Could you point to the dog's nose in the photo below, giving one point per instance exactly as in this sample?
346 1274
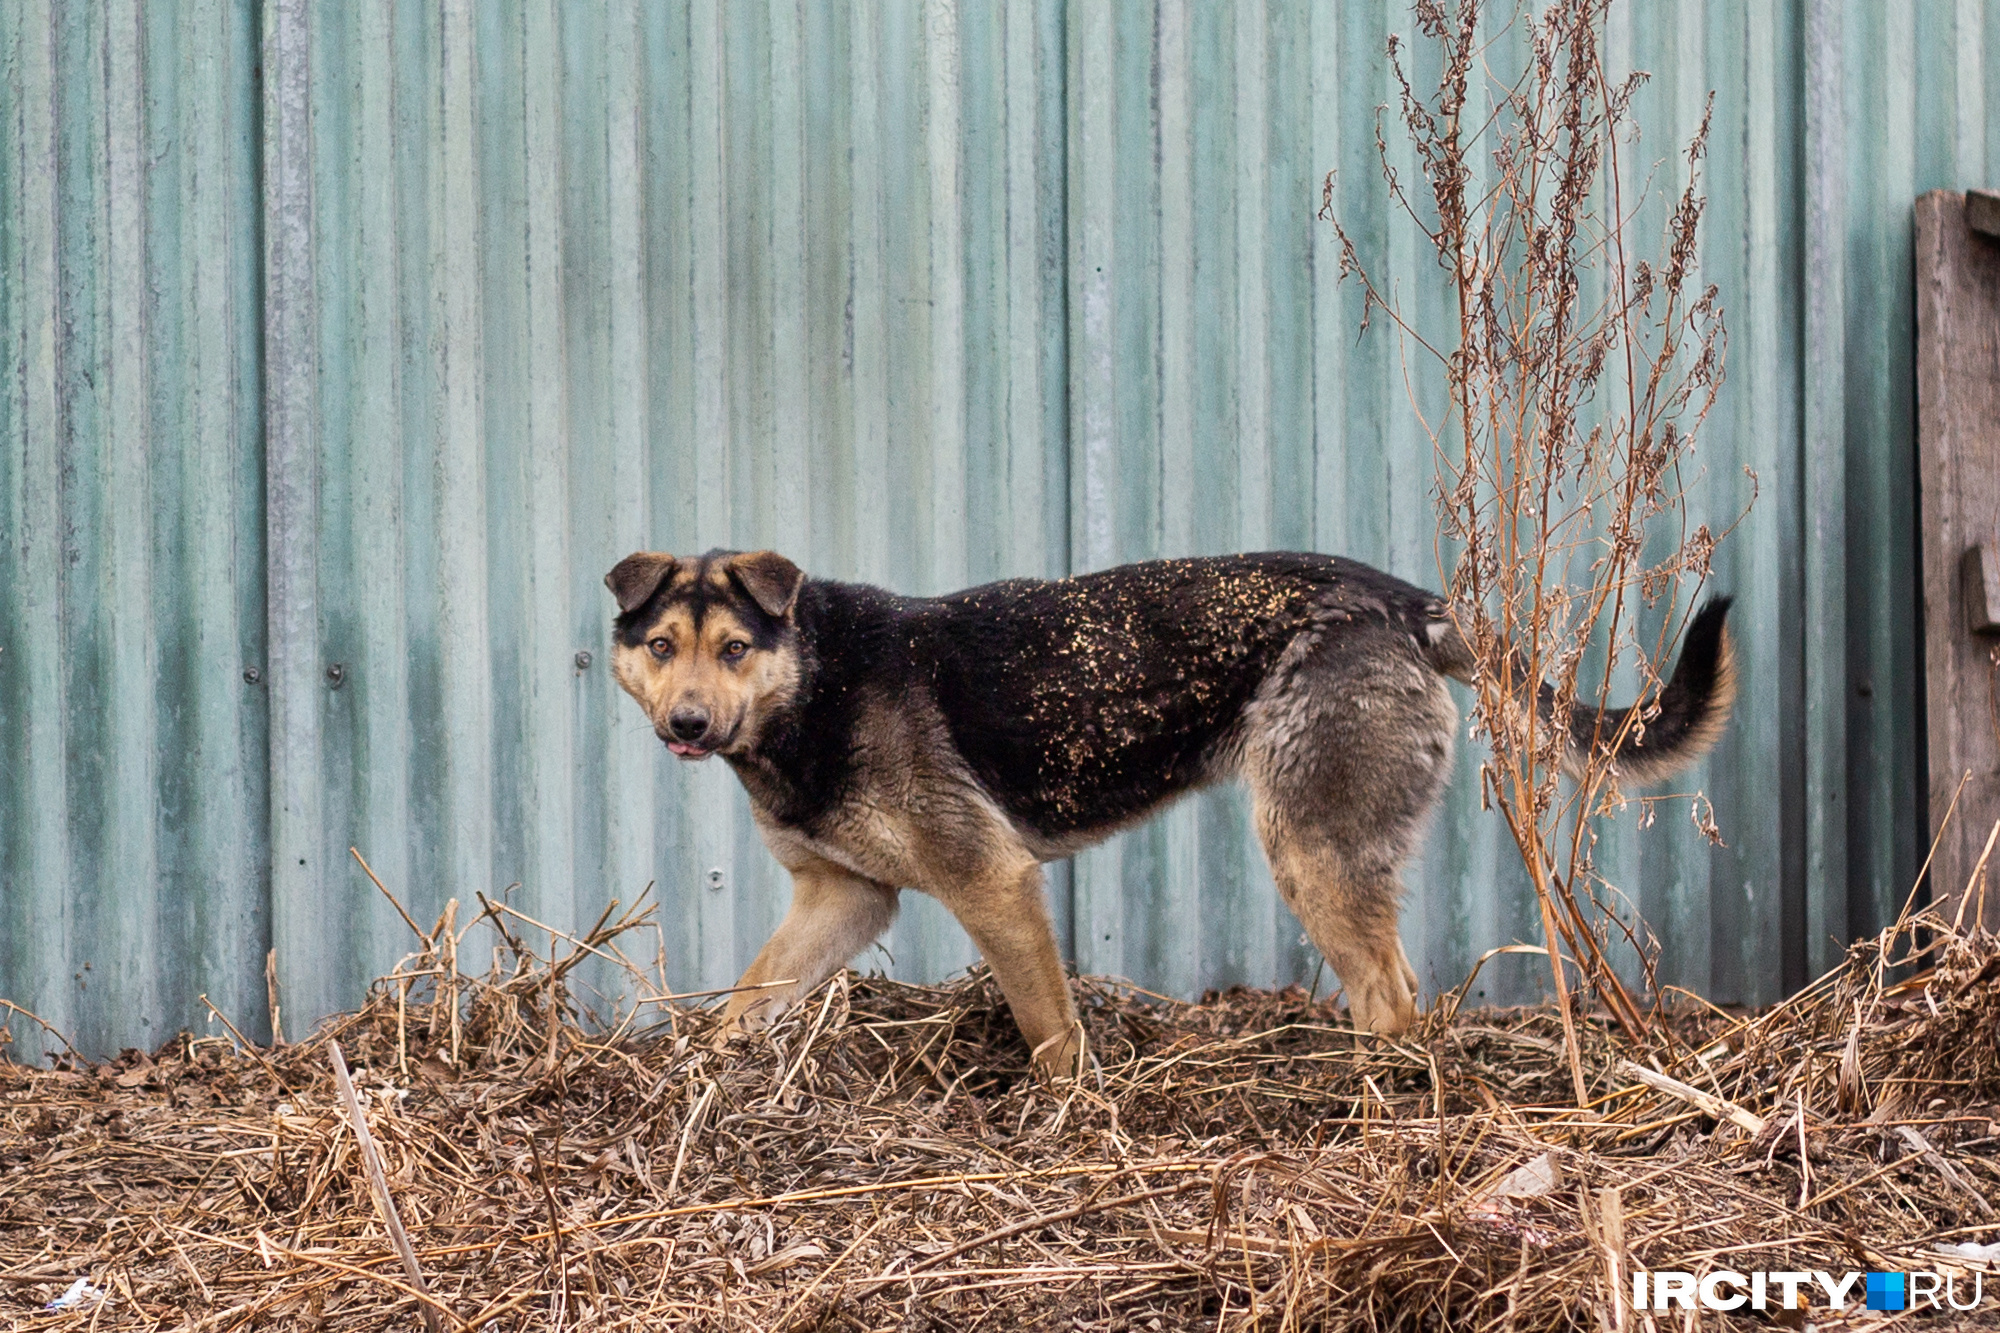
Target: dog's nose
687 724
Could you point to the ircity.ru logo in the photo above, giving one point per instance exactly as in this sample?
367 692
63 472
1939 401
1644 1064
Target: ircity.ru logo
1723 1289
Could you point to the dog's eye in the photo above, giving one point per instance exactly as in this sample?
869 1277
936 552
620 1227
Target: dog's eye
661 647
734 649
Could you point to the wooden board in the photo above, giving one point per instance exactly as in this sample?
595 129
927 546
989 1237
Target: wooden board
1958 429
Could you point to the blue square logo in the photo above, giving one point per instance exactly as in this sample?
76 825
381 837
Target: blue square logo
1886 1291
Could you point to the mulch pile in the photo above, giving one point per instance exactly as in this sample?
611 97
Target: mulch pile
883 1161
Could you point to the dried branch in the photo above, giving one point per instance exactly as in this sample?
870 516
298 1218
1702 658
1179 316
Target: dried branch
1578 378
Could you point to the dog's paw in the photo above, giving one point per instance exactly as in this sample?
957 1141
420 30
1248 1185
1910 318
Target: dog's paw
1060 1059
1386 1010
732 1035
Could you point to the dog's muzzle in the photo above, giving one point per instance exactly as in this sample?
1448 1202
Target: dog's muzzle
687 733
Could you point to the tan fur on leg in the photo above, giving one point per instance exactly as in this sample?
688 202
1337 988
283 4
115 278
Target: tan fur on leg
834 915
1351 918
1004 912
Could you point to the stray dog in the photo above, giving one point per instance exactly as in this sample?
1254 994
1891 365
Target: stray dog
953 744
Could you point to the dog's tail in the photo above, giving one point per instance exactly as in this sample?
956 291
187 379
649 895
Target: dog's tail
1691 711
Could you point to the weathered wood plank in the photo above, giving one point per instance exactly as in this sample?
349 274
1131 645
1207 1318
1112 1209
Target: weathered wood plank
1958 426
1982 211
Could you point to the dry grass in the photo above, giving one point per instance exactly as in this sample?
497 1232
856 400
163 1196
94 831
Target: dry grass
882 1161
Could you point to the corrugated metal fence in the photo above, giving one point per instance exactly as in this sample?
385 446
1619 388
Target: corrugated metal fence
347 346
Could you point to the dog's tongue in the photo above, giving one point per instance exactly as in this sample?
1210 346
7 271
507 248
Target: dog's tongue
686 751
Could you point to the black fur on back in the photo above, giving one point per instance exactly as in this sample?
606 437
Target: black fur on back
1080 703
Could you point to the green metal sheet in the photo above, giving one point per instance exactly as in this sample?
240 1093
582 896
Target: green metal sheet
132 853
424 315
590 279
1222 401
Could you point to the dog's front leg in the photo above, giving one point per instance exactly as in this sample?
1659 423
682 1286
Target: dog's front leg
1004 912
834 915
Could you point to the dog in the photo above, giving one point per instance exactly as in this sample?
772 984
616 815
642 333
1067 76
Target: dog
954 744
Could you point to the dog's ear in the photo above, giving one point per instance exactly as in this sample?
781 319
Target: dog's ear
635 579
772 581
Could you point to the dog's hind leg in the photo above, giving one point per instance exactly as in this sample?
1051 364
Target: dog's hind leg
834 915
1349 909
1345 756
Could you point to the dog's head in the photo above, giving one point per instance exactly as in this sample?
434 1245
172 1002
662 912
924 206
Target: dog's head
707 644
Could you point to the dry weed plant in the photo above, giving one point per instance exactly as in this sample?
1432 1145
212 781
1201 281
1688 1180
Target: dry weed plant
1578 382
